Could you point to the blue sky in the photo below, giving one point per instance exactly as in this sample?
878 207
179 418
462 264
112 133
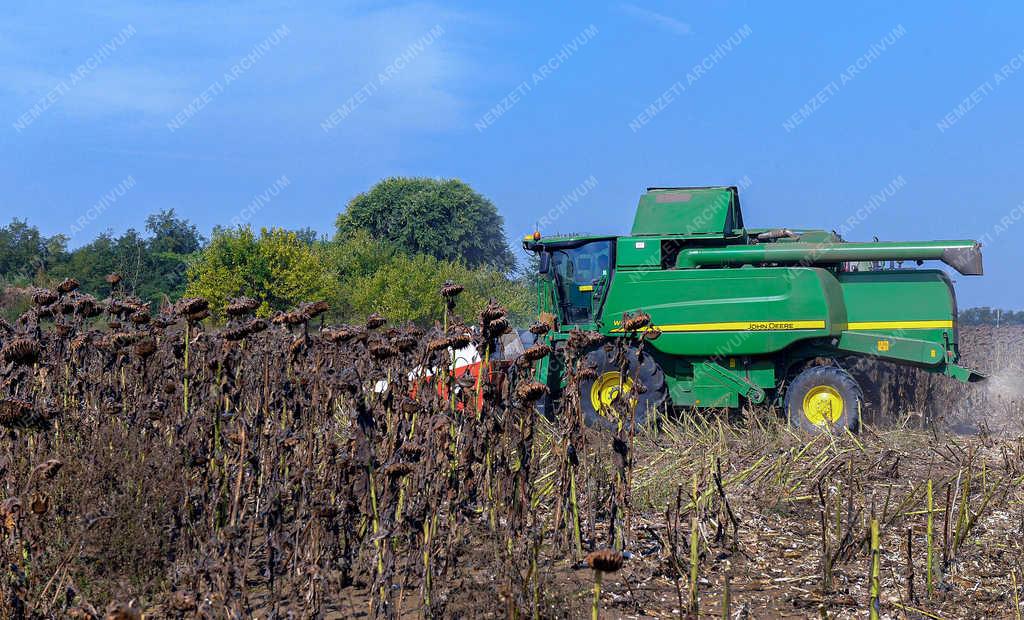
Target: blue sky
205 108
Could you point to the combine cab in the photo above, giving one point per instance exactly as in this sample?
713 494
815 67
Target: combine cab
745 315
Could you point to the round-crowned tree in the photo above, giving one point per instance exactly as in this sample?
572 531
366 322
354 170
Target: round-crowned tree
444 218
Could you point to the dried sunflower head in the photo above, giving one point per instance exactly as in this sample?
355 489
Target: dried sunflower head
116 307
399 470
536 352
450 290
253 326
13 411
79 341
47 470
531 391
241 306
412 450
340 334
256 326
498 327
68 285
539 329
43 297
145 347
235 333
438 344
635 322
375 321
23 351
163 321
118 340
406 343
382 350
460 337
40 504
191 305
195 317
87 306
294 317
315 309
492 312
605 560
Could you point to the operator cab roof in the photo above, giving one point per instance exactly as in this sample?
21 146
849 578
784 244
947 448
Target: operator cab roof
689 212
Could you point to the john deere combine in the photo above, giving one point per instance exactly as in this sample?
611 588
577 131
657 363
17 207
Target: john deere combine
744 315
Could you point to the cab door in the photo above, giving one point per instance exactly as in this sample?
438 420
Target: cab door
581 274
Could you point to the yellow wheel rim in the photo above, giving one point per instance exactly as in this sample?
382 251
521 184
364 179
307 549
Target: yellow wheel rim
823 405
607 388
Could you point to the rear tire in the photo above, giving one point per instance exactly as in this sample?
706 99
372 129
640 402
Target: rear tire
824 399
644 380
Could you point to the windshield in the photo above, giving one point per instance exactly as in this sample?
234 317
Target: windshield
577 271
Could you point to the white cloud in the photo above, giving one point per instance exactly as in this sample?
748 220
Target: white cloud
423 95
669 23
331 52
114 90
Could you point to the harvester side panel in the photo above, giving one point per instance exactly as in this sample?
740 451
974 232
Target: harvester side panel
904 314
718 312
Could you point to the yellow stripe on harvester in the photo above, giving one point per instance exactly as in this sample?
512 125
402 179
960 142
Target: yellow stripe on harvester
752 326
869 325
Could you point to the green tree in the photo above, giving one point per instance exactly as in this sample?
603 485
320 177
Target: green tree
26 256
171 234
276 267
444 218
152 266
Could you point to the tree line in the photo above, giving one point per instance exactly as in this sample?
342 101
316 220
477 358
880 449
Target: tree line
392 249
991 316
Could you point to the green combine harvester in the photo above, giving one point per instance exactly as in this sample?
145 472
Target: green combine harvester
743 315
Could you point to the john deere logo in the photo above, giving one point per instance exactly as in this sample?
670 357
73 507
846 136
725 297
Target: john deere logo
757 327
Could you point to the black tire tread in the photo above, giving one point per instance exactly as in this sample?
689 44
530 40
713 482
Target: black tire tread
646 369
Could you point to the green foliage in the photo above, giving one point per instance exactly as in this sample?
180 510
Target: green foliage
991 316
152 267
172 235
26 255
406 288
443 218
395 247
276 267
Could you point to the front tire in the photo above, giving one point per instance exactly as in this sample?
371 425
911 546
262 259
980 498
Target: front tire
602 397
824 399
